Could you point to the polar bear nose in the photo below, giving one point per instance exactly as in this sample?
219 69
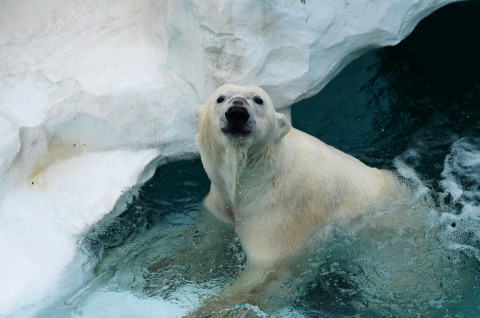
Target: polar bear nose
237 115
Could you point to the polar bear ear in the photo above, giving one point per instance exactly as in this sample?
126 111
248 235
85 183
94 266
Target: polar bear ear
199 111
283 125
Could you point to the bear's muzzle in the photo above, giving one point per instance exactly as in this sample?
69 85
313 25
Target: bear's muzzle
237 120
237 115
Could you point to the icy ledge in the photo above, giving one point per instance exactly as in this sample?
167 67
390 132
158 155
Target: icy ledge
94 94
41 220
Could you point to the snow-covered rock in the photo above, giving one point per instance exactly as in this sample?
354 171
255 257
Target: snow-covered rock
94 94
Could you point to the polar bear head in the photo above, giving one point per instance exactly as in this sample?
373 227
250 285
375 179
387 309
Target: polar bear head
241 115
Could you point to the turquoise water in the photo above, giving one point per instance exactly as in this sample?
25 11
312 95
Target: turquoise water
413 108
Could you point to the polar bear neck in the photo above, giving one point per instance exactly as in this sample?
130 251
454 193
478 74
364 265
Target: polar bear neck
239 169
250 169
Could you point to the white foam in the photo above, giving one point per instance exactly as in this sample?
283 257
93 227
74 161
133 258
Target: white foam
411 175
124 304
463 162
461 176
112 301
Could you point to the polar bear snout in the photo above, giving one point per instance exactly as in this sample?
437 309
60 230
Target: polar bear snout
237 115
237 121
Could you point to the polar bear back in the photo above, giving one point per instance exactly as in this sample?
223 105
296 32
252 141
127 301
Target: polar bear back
342 179
314 185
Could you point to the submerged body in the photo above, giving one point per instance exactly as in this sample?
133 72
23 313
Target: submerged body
274 183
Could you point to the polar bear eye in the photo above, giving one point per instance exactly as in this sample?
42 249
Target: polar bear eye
220 99
258 100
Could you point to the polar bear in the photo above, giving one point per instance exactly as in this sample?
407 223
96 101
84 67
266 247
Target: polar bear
274 183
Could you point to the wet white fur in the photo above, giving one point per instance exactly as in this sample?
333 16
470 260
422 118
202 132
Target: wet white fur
279 184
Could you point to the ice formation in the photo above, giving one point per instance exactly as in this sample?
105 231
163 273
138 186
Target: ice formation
94 95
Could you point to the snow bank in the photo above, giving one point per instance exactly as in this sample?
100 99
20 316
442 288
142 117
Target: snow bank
42 218
93 92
